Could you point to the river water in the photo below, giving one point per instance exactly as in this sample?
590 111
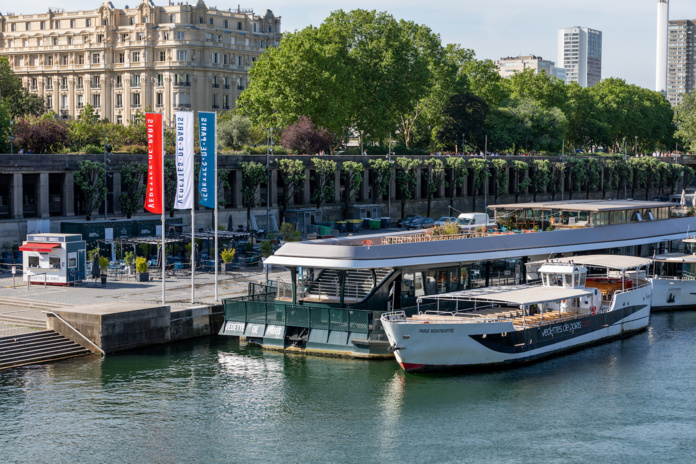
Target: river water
215 400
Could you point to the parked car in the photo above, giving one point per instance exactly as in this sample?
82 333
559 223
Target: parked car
445 220
421 223
403 222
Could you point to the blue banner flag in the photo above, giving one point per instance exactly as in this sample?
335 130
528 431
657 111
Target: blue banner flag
206 136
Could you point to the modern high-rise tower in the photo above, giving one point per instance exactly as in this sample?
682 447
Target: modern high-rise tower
661 67
681 65
580 53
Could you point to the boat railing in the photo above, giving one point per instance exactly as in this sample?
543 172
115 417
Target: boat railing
394 316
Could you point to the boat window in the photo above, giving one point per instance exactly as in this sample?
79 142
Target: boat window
413 284
33 261
567 280
636 217
583 277
650 216
689 271
618 217
464 276
431 282
689 247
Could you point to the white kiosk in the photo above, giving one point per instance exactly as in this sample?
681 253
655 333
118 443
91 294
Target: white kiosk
57 259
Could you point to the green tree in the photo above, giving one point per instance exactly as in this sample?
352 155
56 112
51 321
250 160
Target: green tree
352 174
549 91
464 120
90 180
610 176
479 170
292 179
522 180
406 179
578 175
639 174
483 78
500 177
253 176
380 176
324 179
132 187
624 174
457 173
673 176
556 183
435 177
537 128
685 120
234 131
20 102
540 177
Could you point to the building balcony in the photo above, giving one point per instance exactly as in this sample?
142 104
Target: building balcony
63 87
216 86
119 105
135 86
135 105
226 86
225 107
215 107
182 106
159 105
182 84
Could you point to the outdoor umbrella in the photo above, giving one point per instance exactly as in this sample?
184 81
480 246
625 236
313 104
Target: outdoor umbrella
229 223
96 271
682 202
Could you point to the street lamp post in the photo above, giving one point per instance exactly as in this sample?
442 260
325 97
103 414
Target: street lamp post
485 178
625 180
636 145
389 194
106 185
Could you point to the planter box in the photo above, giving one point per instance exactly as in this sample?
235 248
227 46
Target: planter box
103 280
227 267
143 277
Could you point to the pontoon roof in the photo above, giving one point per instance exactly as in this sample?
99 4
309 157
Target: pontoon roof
518 295
585 205
618 262
675 258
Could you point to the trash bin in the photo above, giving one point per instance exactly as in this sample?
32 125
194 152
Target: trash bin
366 223
375 223
385 222
342 226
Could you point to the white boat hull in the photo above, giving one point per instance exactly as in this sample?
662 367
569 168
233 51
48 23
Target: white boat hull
673 294
419 345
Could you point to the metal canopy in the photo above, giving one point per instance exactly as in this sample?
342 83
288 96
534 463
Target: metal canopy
517 295
675 258
618 262
585 205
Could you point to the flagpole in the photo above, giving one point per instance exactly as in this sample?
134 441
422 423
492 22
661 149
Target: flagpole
215 196
164 232
193 229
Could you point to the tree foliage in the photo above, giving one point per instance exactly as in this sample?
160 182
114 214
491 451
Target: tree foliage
324 179
304 137
234 131
457 173
253 176
132 187
352 174
20 102
42 134
292 178
435 179
380 176
90 180
406 179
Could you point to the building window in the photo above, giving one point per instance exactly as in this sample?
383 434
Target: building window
162 56
239 61
131 20
80 59
95 82
165 35
225 102
124 37
56 24
88 22
49 101
146 19
219 39
49 83
34 84
232 40
42 25
215 82
100 38
225 59
136 57
226 82
159 100
136 100
40 42
239 26
119 100
79 83
254 27
63 102
54 40
25 42
63 60
225 23
72 24
181 55
49 60
216 58
160 80
209 37
140 35
210 21
80 101
96 100
13 27
121 58
64 83
172 18
180 35
135 80
27 26
119 120
215 101
95 58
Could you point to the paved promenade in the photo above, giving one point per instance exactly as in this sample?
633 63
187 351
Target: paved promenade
21 307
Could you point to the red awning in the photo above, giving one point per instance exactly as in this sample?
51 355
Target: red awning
40 247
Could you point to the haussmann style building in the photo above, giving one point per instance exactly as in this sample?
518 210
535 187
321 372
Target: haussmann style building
121 60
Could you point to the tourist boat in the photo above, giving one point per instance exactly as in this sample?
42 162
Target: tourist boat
674 279
505 326
339 287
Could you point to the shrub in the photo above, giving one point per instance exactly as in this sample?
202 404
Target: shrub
103 262
140 264
92 149
92 253
266 248
451 228
128 258
227 255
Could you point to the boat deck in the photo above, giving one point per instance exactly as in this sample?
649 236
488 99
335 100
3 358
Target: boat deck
500 314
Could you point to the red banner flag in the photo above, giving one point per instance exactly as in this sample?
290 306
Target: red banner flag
153 194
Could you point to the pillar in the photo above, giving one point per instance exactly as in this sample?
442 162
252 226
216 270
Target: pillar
306 193
365 187
337 186
419 173
273 190
117 192
392 184
69 194
238 203
17 196
42 211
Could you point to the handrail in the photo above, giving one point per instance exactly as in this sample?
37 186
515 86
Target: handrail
76 331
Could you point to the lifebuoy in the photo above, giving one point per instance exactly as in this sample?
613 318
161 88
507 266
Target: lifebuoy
367 243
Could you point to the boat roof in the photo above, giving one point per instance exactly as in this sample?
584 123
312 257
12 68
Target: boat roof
518 295
618 262
585 205
675 258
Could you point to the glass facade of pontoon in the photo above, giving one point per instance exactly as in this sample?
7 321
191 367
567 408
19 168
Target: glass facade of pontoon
543 218
684 271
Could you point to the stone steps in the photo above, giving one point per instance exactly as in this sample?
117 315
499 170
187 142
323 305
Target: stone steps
37 348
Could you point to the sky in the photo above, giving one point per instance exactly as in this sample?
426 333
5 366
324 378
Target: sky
492 28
